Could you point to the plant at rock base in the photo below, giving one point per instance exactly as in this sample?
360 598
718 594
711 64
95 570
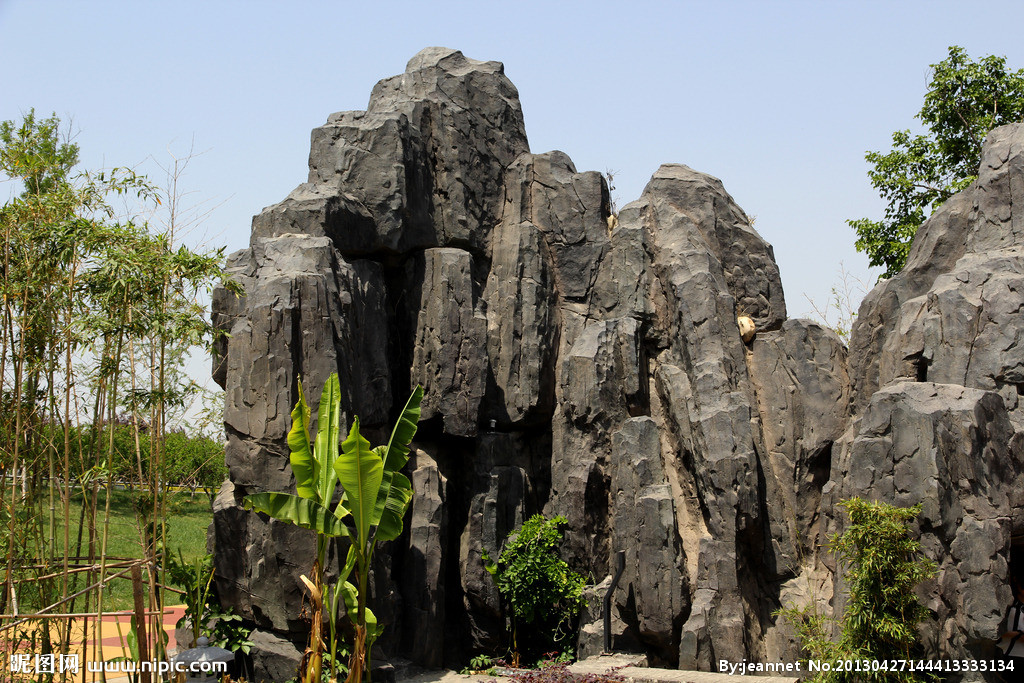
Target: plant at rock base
544 594
374 500
882 613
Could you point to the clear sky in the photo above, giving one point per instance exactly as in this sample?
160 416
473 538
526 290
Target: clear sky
778 99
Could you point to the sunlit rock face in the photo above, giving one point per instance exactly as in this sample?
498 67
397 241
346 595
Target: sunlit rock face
593 366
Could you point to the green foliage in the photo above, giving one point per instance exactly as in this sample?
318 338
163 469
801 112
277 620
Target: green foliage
541 591
95 311
965 100
203 611
882 612
480 663
195 578
191 460
229 630
34 152
374 500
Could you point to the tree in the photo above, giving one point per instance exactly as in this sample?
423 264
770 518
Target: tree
965 100
93 306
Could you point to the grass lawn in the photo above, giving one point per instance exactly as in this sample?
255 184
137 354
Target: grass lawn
187 518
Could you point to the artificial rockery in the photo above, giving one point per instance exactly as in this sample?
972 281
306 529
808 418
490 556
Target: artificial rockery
591 365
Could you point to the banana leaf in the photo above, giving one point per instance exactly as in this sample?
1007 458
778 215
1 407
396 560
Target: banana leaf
300 511
360 472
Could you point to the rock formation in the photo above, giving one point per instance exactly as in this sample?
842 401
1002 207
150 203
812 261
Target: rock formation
594 366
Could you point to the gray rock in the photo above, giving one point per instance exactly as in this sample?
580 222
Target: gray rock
799 377
500 497
425 157
950 317
591 638
301 301
522 326
425 565
696 205
571 211
274 658
593 366
708 403
600 381
644 527
950 449
449 344
625 285
957 291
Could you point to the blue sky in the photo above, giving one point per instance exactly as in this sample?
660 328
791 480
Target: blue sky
778 99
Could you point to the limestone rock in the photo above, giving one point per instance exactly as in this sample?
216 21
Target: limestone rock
644 526
522 327
449 343
569 208
799 377
501 494
950 315
425 565
591 639
602 367
274 658
934 351
696 205
425 157
951 449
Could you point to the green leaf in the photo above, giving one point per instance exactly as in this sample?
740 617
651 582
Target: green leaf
397 502
351 595
490 565
397 453
301 457
965 100
360 472
300 511
372 631
394 456
133 639
327 430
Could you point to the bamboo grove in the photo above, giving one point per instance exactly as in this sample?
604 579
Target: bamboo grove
98 312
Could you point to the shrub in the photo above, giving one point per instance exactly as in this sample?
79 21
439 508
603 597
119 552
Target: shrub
884 567
539 588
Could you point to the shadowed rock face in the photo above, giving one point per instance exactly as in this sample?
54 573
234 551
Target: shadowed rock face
592 366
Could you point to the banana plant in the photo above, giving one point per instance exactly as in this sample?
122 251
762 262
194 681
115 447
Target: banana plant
375 496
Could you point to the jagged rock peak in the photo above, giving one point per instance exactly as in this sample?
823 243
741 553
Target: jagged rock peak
451 60
418 169
697 211
965 265
446 76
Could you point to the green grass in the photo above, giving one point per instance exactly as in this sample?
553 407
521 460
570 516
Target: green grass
187 518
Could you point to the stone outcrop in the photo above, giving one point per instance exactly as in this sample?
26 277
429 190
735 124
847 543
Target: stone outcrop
635 373
935 364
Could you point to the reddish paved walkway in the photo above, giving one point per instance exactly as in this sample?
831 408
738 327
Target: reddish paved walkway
113 633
